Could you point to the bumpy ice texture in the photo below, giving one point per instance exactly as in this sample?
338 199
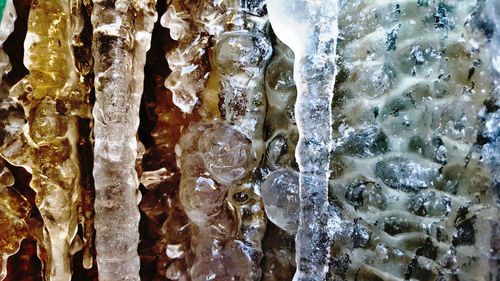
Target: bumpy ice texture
14 218
280 188
218 65
122 35
53 99
6 27
415 80
310 29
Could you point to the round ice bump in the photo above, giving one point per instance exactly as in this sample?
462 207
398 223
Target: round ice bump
226 152
280 193
238 51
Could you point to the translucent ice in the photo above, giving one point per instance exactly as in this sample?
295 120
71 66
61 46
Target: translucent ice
47 146
213 160
310 29
280 193
493 10
121 38
7 19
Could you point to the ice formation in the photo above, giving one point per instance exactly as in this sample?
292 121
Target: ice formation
279 159
14 208
310 29
7 18
13 118
249 140
14 218
230 87
417 200
122 35
53 100
214 157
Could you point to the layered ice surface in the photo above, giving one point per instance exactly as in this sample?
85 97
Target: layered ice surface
345 140
310 29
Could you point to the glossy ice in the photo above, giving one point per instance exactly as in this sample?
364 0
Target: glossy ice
122 36
310 29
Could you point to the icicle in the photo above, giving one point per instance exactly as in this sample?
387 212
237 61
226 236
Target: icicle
53 99
13 119
280 189
218 65
122 35
310 29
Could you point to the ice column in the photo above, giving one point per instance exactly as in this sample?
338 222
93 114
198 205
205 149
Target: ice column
310 29
14 217
122 35
53 99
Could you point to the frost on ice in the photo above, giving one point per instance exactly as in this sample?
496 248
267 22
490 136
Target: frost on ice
310 29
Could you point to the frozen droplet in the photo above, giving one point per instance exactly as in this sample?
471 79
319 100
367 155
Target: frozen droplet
280 193
226 152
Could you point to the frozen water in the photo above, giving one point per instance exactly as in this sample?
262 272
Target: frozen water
310 29
225 153
493 7
404 174
280 193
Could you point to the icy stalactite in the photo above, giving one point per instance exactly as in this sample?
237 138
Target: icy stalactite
80 43
409 142
218 65
168 225
14 218
238 61
310 29
214 157
53 99
168 239
122 35
14 208
13 117
239 57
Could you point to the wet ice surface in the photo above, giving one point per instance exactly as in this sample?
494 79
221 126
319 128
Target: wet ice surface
310 29
214 159
280 193
415 155
417 90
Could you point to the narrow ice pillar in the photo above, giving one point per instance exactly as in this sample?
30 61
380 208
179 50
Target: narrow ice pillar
122 35
309 28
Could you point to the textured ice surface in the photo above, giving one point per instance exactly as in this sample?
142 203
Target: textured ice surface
310 29
14 218
7 19
122 35
412 160
491 133
13 118
279 245
47 145
209 152
280 193
422 198
218 66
